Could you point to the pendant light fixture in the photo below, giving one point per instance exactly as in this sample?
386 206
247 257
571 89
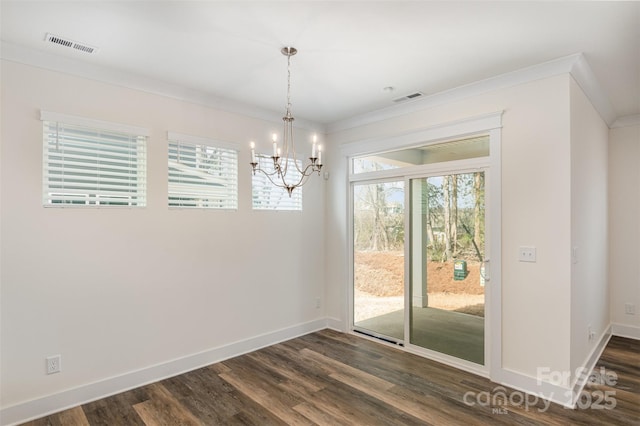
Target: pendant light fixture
284 154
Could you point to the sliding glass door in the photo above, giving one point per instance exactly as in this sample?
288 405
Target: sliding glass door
447 251
378 259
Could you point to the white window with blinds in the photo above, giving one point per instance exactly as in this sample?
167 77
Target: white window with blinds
203 173
267 196
92 163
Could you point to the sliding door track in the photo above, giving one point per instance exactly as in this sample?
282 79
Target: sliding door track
375 335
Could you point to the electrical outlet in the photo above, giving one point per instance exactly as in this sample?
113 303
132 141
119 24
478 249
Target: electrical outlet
318 303
54 364
526 254
629 309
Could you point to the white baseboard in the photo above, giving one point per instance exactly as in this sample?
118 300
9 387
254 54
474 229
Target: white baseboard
534 387
628 331
564 396
590 363
337 325
69 398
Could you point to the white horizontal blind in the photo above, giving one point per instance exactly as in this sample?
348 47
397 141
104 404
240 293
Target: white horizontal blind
202 175
267 196
87 166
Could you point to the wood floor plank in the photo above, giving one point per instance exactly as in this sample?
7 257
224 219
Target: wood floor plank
116 409
319 416
282 367
358 408
258 417
74 416
209 407
346 372
315 374
270 401
422 409
218 368
205 395
262 376
163 408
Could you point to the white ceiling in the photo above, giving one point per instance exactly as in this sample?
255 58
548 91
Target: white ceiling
348 51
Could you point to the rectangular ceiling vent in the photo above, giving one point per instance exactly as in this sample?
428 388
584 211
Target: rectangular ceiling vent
408 97
83 47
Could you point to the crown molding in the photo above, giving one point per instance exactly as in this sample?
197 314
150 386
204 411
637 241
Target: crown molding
626 121
586 79
20 54
575 64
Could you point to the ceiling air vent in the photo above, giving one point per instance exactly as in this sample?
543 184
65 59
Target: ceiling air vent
409 97
83 47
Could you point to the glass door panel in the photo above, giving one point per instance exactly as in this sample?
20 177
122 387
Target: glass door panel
447 241
378 253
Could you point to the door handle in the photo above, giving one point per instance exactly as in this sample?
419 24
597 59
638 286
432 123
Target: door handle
485 270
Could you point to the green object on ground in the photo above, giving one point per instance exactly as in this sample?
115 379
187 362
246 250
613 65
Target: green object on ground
459 270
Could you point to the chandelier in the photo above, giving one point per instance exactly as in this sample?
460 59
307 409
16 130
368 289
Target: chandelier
284 156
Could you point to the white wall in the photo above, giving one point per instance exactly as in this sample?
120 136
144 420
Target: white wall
336 257
116 291
624 228
589 235
536 210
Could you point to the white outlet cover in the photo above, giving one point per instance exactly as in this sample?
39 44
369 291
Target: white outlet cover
54 364
526 254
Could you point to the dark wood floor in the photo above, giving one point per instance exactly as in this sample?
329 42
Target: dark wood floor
330 378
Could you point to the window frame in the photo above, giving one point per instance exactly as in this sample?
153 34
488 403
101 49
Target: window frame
197 143
102 137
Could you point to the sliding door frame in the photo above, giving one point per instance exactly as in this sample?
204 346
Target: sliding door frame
490 125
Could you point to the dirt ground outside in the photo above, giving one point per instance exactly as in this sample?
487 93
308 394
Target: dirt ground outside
379 285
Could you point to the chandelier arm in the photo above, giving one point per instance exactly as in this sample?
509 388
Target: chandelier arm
314 168
287 186
276 182
301 181
259 169
306 173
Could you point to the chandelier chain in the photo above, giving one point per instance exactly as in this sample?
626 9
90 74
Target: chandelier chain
288 85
